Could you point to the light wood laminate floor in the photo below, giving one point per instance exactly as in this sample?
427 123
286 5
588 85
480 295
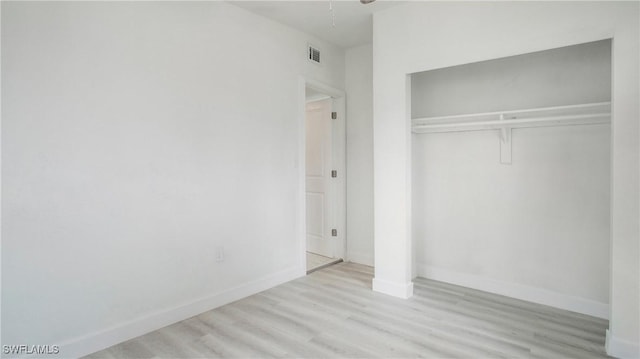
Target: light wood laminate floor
332 313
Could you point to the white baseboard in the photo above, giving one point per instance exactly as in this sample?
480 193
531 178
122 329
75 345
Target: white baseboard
360 258
518 291
621 349
400 290
94 342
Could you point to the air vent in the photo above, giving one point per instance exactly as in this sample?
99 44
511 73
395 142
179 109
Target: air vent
314 54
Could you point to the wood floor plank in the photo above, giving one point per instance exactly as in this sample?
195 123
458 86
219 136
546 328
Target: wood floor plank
333 313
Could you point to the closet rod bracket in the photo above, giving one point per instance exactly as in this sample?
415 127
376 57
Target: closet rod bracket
505 143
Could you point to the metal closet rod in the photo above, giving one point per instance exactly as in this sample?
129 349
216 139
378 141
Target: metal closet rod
513 112
497 124
562 119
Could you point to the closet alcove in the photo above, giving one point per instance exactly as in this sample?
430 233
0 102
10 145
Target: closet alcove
511 175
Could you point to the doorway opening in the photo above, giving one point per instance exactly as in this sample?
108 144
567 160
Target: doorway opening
323 178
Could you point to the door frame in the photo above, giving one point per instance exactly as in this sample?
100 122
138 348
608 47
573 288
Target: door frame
338 185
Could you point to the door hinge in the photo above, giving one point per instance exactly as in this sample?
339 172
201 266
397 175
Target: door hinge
334 115
334 232
334 173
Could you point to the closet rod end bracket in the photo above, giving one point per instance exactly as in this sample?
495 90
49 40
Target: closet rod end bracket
505 143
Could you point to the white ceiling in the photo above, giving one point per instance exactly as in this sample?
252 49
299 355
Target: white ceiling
353 20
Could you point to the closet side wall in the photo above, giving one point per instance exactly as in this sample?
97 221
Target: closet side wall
538 228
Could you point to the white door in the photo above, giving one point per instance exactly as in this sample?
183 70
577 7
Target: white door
318 178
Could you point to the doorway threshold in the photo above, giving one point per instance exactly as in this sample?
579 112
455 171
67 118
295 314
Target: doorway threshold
324 264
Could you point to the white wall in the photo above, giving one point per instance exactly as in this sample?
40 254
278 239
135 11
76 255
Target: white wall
424 36
540 226
359 84
137 138
565 76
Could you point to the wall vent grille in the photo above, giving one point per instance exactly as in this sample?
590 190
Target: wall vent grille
314 54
